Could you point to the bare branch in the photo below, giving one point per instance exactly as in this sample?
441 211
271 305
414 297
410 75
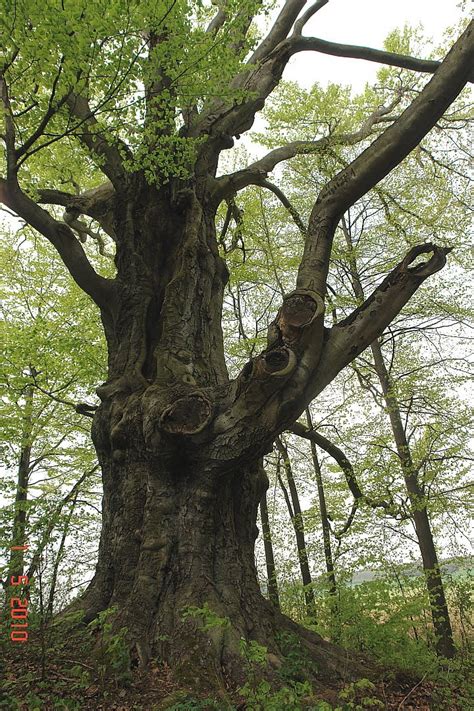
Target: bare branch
338 455
299 25
266 66
217 21
286 203
264 71
255 173
82 408
315 44
279 31
68 246
334 451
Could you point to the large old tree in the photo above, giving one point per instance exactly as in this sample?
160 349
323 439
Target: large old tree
149 94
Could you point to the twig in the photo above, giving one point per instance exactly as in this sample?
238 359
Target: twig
82 664
400 705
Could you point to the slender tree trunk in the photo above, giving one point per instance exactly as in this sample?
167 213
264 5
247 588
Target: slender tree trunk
72 494
294 509
434 582
331 576
438 604
269 557
17 557
59 556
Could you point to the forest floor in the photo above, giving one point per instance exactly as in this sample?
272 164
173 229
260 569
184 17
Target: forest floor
53 673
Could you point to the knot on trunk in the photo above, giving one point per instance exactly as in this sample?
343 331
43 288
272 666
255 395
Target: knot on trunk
299 310
188 415
276 362
423 269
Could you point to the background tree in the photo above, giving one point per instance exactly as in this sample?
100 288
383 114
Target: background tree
52 356
149 96
438 192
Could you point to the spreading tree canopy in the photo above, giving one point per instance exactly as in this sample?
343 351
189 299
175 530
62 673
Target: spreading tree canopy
119 112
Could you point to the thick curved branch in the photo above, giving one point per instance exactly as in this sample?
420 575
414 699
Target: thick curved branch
287 204
98 203
266 67
405 61
60 236
346 526
312 10
348 470
264 70
217 21
63 239
384 154
255 173
335 452
348 338
279 31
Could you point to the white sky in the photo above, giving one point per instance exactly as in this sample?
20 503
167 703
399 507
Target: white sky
365 22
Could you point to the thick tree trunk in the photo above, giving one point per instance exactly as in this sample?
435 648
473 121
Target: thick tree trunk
181 497
177 536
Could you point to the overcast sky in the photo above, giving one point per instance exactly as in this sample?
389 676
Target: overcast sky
365 22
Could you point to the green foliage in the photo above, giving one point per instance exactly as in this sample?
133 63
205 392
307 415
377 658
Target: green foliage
253 652
297 664
34 702
112 651
259 694
460 589
207 617
82 675
357 696
103 51
384 620
53 359
66 704
141 65
456 675
261 697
